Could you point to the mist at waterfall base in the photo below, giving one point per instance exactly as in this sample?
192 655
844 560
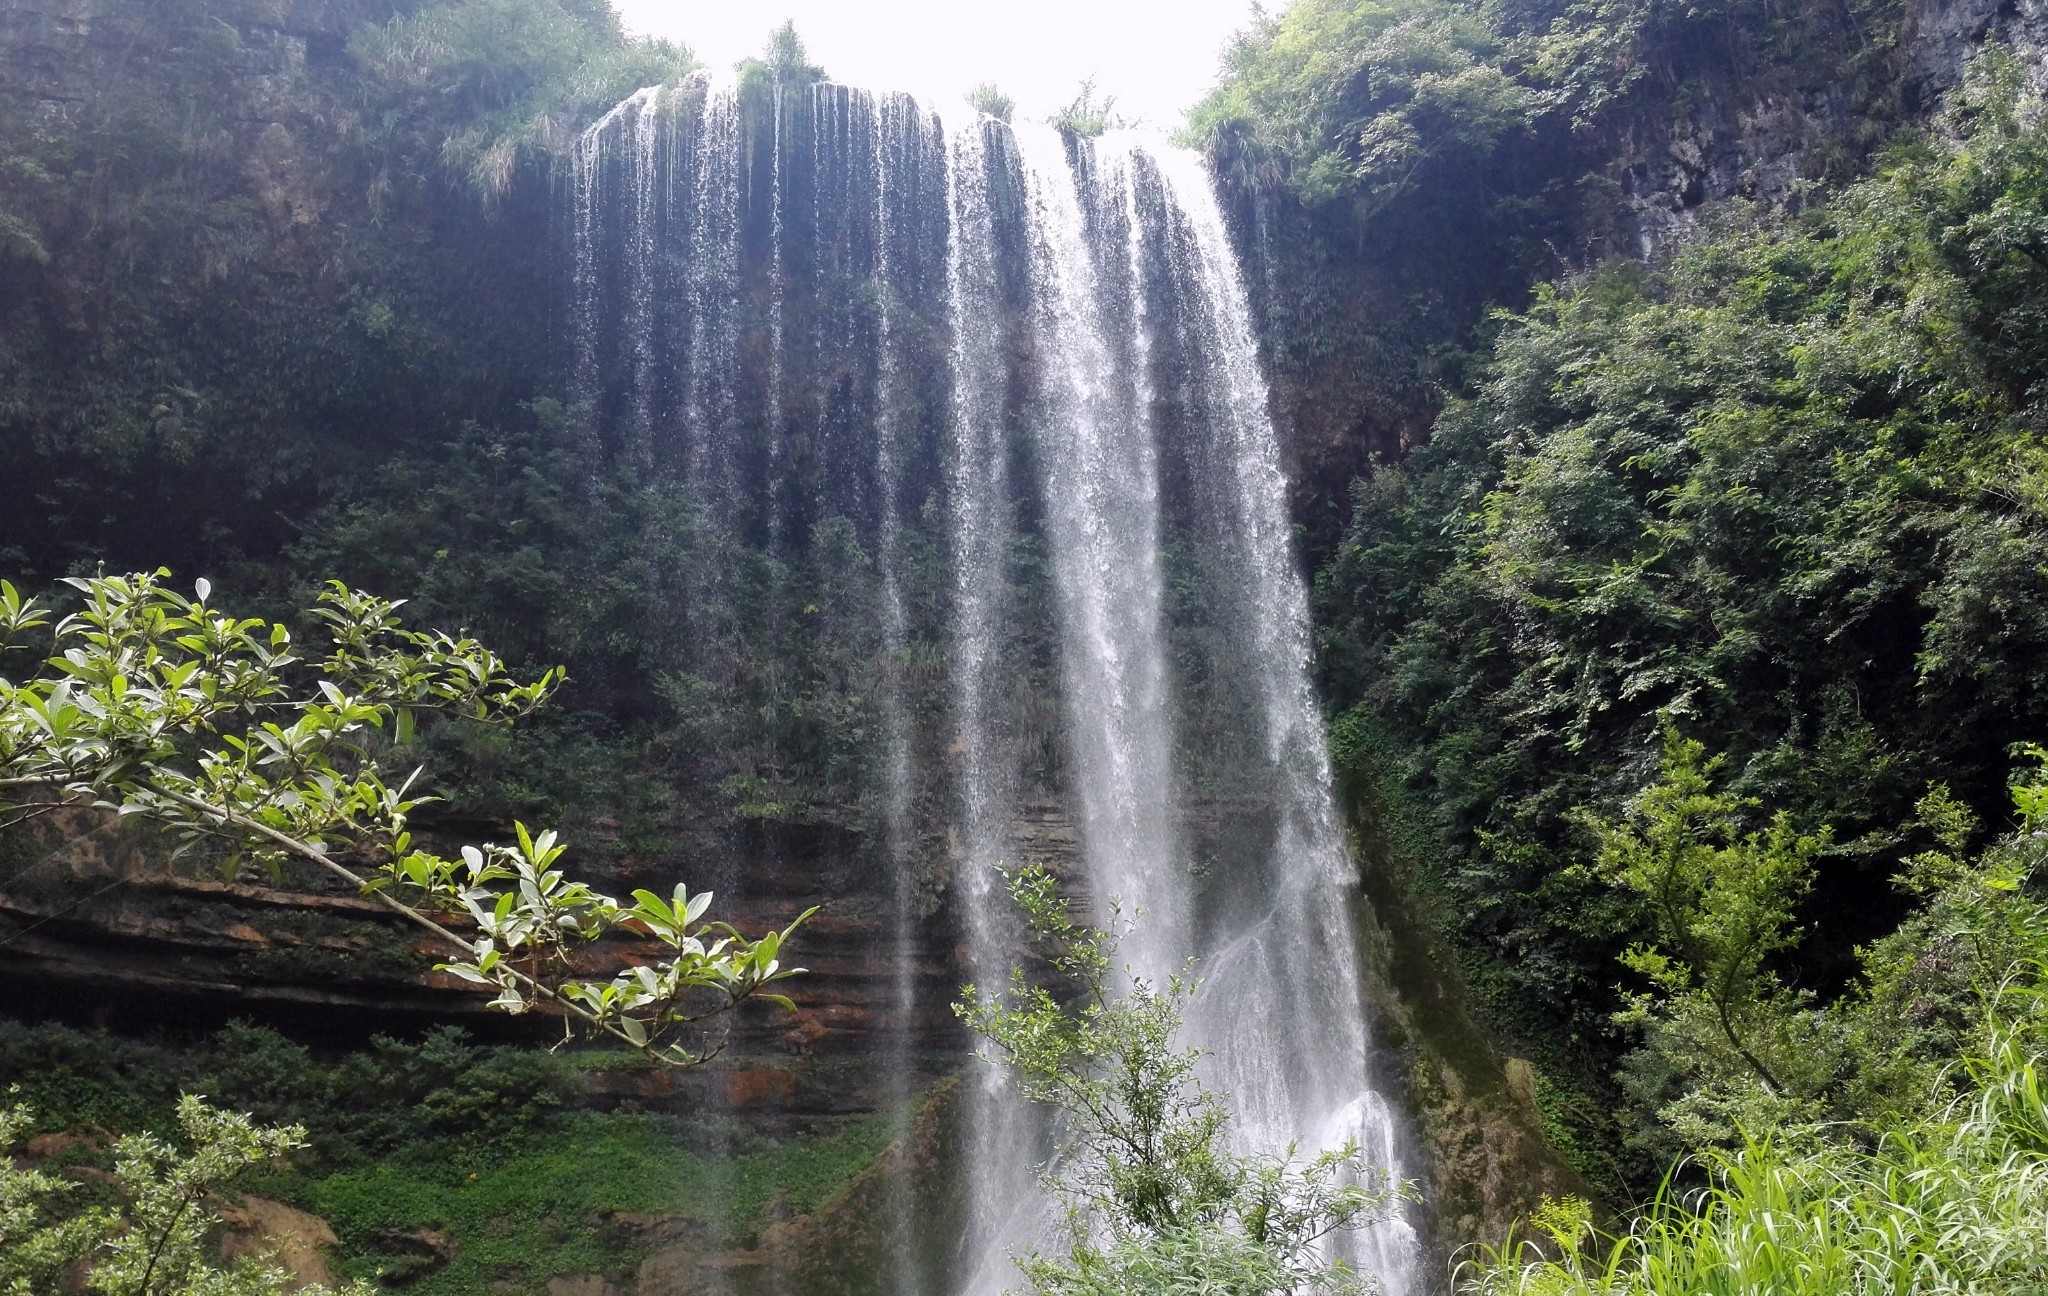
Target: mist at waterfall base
1010 377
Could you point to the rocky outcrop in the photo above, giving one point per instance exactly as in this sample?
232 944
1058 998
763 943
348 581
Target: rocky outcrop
1485 1158
101 929
97 927
1773 137
1942 36
280 1235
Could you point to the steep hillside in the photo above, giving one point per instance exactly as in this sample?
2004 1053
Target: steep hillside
1754 459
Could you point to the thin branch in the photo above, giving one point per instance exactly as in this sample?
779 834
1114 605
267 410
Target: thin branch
56 914
30 812
296 847
37 780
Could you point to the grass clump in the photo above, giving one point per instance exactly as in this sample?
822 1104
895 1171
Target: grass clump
1950 1204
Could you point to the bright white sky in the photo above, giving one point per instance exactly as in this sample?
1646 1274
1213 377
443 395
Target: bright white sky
1156 56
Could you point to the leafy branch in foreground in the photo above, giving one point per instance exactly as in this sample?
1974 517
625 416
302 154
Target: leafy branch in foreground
154 1242
161 708
1156 1202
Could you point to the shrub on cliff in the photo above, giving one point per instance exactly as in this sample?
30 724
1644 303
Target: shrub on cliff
152 1240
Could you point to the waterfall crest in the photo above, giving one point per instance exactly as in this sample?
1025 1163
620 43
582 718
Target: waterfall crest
1001 388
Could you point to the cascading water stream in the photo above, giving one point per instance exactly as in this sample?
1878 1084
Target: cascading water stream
1291 1071
906 135
1028 359
981 162
778 290
710 238
1100 482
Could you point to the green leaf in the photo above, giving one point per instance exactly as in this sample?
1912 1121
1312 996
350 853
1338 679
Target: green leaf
651 905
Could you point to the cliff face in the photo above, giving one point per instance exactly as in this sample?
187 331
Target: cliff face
1809 120
228 281
63 57
96 929
1370 301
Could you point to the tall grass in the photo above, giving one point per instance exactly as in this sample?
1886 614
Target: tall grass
1956 1202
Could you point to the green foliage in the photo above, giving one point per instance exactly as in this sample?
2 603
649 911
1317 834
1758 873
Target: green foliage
154 1242
1899 1143
1728 1052
362 1104
34 1249
1948 1203
1778 490
529 1206
1720 903
1366 101
989 98
703 660
783 63
500 76
213 320
320 358
1403 168
1088 114
159 708
497 1149
1156 1202
1361 98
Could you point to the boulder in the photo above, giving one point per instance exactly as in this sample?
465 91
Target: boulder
285 1236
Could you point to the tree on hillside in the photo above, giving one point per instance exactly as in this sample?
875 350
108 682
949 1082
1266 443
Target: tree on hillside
1157 1204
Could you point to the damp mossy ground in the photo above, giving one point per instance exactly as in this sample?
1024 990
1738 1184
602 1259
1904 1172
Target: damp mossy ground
449 1168
520 1210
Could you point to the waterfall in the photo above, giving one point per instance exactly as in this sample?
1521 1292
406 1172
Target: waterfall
1101 486
709 235
1292 1069
1016 466
981 162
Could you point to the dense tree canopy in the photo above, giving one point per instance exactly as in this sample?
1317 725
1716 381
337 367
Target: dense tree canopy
1783 490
